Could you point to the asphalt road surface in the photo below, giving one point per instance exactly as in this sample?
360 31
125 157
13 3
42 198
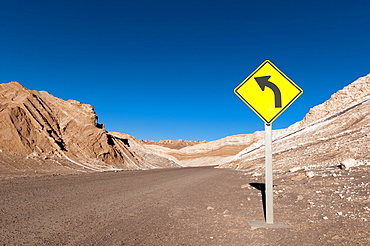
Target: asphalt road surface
183 206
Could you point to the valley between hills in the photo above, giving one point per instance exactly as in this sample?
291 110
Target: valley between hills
65 180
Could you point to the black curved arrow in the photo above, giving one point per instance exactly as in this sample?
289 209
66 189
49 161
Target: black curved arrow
263 82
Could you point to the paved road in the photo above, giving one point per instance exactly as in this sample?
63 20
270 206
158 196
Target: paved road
184 206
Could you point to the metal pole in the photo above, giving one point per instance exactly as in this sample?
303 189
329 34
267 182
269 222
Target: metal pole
268 176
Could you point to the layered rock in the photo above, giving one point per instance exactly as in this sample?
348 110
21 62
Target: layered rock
331 132
207 153
173 144
150 156
42 133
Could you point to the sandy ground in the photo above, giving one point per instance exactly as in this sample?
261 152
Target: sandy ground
185 206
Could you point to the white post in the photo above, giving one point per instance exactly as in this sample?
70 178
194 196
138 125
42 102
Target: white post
268 176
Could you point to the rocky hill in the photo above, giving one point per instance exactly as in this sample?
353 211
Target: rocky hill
42 134
173 144
207 153
332 133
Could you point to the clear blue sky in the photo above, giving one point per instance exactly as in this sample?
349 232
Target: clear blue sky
166 69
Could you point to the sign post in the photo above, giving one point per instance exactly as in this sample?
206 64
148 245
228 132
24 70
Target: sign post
268 176
268 104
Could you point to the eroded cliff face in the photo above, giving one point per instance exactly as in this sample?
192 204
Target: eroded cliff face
38 127
330 133
353 94
41 134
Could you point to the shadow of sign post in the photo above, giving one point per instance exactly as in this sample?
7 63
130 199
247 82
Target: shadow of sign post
267 189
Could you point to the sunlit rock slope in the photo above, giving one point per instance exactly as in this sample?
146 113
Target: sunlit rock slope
40 133
331 132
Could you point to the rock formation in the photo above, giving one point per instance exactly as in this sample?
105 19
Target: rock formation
173 144
41 133
207 153
331 132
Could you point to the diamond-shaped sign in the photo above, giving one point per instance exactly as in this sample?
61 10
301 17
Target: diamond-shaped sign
268 103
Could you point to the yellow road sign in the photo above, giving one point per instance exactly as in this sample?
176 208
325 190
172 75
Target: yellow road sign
268 103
